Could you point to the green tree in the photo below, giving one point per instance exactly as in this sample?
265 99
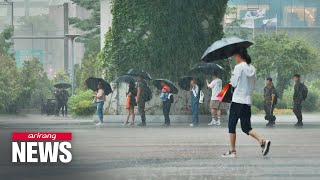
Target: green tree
5 43
36 87
90 26
164 38
61 76
281 56
9 83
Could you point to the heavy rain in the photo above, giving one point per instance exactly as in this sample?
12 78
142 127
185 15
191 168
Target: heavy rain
160 89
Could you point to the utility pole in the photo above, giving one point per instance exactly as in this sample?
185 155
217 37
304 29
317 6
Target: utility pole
72 37
66 31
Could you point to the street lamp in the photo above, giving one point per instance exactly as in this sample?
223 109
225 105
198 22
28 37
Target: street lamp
72 37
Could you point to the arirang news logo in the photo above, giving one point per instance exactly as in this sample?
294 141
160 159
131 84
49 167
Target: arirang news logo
41 147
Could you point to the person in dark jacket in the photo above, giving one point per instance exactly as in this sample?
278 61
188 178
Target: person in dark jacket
131 103
195 96
166 102
141 88
58 94
298 98
269 102
65 98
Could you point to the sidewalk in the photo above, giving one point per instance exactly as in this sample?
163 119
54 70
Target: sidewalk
176 119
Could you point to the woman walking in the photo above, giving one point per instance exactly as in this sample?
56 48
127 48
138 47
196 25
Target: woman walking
131 103
243 80
100 98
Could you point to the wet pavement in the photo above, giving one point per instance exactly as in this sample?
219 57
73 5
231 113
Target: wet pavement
179 152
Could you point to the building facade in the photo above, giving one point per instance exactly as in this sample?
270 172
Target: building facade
289 13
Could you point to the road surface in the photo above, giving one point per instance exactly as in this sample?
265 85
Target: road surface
114 152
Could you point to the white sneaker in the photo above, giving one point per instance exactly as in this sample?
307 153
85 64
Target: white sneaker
230 154
99 124
218 123
266 147
191 125
213 122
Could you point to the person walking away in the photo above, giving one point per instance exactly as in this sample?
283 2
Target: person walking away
166 103
299 95
142 86
195 97
215 104
131 103
243 80
100 98
65 98
59 100
270 100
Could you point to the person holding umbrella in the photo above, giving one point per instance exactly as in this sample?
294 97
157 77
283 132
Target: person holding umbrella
65 99
215 105
101 89
144 93
100 98
58 94
167 89
193 84
195 96
166 102
243 80
131 103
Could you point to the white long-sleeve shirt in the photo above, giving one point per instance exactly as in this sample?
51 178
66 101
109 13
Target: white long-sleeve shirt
243 80
195 90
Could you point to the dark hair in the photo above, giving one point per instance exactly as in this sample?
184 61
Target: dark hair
100 85
297 75
132 84
215 73
243 53
269 79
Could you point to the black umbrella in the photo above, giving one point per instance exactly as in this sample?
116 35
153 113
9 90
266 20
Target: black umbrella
125 79
157 84
138 73
207 69
184 83
62 85
224 48
92 83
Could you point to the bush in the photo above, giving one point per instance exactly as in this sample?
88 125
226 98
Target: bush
281 104
84 108
312 102
255 110
258 101
81 103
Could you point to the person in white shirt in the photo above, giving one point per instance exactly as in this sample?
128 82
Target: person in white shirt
215 104
195 96
243 80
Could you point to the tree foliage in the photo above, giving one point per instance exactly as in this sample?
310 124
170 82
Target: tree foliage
9 83
90 26
5 43
281 56
35 85
164 38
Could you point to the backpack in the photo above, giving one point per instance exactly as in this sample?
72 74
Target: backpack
275 101
304 92
171 98
146 91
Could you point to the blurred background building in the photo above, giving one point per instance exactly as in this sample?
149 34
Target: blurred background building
42 18
289 13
